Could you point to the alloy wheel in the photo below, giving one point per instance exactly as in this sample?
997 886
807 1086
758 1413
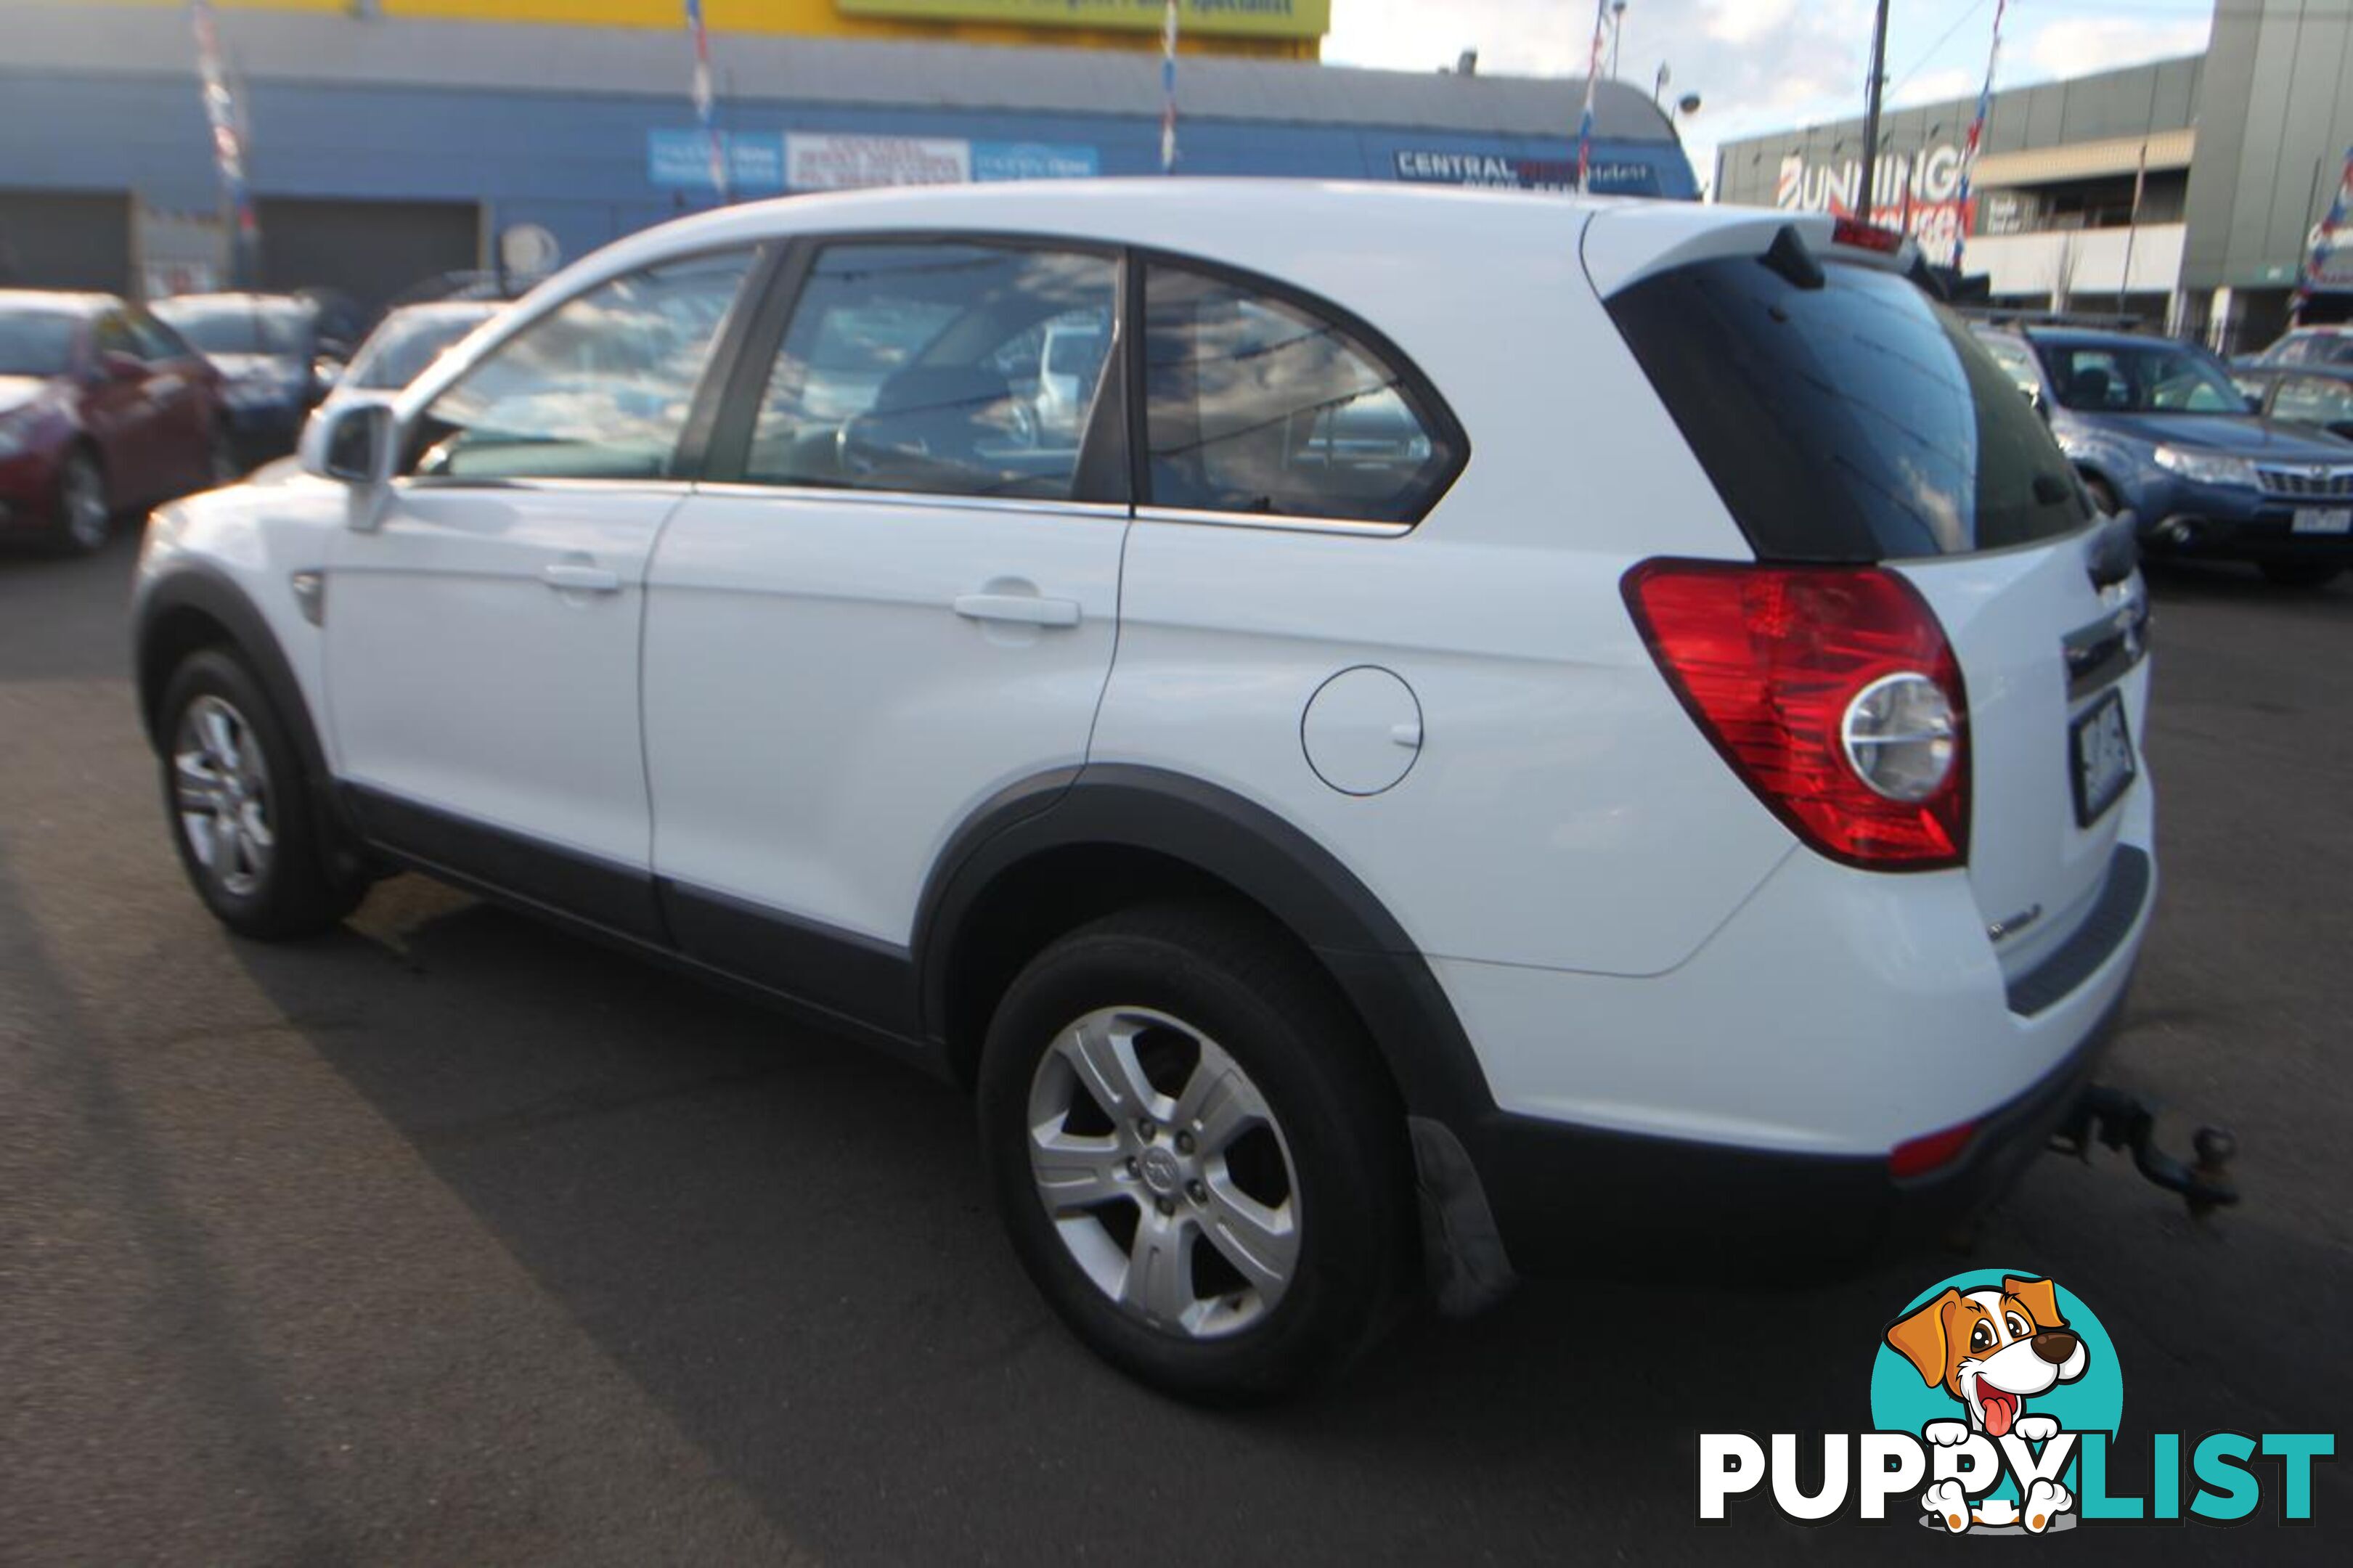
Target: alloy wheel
221 788
82 495
1164 1173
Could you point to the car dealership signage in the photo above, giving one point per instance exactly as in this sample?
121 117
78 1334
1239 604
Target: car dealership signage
1606 176
770 163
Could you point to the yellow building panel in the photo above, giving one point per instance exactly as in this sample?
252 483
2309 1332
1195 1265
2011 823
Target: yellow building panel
1277 30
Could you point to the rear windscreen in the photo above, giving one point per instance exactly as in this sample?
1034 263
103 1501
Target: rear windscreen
1855 420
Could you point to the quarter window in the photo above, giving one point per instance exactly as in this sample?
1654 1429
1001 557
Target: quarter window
599 388
1255 403
943 369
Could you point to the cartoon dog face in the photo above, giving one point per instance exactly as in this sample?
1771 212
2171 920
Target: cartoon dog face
1992 1348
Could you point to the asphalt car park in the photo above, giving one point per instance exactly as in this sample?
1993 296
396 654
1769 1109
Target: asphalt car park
447 1238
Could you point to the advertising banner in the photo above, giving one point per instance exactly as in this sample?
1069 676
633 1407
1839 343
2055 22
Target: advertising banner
1034 161
830 161
1230 19
680 161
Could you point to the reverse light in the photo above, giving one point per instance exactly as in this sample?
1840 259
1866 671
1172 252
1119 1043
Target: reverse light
2207 468
1832 693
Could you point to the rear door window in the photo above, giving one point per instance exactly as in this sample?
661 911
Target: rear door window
1856 420
1260 404
917 368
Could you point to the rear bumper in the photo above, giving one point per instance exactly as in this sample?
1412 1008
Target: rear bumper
1745 1105
1567 1199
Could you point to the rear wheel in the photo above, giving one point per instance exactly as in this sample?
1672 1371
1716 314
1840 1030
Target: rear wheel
241 813
83 519
2299 574
1193 1152
2104 495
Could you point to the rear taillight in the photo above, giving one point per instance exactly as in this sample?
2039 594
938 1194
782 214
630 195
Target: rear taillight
1918 1156
1832 693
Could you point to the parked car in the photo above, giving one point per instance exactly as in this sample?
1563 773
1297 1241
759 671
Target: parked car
407 341
103 410
279 353
2312 397
2159 429
2305 346
1070 359
1684 797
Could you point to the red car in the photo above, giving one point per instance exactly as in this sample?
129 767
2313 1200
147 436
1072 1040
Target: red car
103 409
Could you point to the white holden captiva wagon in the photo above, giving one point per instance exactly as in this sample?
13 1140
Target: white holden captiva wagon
1445 734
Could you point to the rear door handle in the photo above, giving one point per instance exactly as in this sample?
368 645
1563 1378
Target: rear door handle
572 578
1022 609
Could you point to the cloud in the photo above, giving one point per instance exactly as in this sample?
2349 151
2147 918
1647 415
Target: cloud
2077 45
1937 86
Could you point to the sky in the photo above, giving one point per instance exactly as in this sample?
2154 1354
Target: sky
1772 65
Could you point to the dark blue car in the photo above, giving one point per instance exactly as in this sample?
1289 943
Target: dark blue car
2157 429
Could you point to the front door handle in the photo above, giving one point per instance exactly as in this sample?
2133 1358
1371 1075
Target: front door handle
1022 609
569 577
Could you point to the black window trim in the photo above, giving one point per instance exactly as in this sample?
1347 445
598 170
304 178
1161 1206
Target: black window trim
1421 394
724 458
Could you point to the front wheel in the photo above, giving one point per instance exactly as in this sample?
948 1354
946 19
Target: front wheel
83 517
1195 1156
241 813
2299 574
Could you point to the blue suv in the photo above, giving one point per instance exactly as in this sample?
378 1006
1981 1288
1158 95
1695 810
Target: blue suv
2157 429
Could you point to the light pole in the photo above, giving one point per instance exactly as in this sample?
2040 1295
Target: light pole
1871 110
1617 34
1659 82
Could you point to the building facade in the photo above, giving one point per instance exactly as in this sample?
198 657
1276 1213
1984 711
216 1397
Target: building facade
390 141
2187 191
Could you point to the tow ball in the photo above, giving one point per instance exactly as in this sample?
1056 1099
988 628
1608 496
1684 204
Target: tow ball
2118 1119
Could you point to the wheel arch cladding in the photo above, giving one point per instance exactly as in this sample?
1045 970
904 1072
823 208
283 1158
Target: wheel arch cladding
1057 851
197 607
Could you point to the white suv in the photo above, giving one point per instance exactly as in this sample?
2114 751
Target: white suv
1513 730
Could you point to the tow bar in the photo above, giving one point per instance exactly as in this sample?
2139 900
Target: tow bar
2119 1119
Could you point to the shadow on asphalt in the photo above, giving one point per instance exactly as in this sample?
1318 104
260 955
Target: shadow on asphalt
784 1239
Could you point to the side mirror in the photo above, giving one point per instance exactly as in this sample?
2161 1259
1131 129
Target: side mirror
351 444
2254 404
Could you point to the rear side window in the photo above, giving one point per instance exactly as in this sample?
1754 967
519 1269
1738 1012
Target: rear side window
1855 421
1256 403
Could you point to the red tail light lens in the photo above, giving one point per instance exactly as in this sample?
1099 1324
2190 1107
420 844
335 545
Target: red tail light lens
1920 1156
1832 692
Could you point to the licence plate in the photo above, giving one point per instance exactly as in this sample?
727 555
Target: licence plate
2102 744
2322 520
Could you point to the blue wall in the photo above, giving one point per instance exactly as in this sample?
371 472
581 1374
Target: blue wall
579 163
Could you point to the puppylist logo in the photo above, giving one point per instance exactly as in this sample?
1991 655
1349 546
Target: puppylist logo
1996 1400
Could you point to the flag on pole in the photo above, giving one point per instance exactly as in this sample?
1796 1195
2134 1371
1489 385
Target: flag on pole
1169 88
706 99
1976 134
2322 243
222 119
1592 75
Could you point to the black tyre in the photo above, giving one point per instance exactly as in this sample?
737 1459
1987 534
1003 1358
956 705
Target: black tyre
240 811
2104 495
83 517
1196 1154
2299 574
